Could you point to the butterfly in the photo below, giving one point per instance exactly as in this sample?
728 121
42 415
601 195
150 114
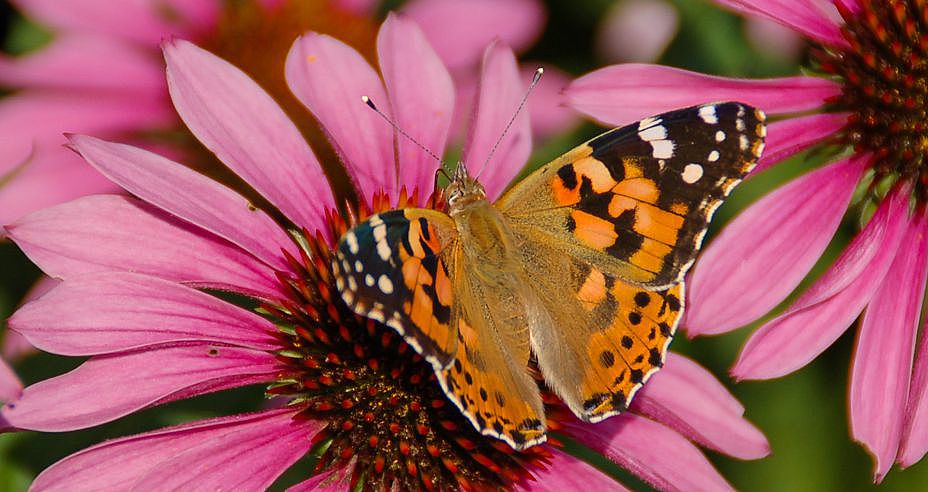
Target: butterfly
578 268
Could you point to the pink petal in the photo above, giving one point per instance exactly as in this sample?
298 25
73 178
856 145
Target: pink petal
805 16
852 6
653 452
547 107
236 461
564 472
882 363
461 29
788 137
763 254
915 432
422 97
84 61
120 463
190 196
142 21
111 233
821 314
331 480
112 312
106 388
15 346
636 31
10 386
622 94
330 77
501 90
247 130
686 397
54 175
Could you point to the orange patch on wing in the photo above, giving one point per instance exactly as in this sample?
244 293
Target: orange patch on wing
651 255
680 208
641 189
620 203
593 290
592 231
443 287
632 169
564 195
660 225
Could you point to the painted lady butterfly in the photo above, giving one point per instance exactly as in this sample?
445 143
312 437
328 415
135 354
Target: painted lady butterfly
579 265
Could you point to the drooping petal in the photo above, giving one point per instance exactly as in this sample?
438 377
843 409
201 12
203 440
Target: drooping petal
459 30
422 97
501 89
789 137
821 314
84 61
564 472
102 233
915 432
189 195
657 454
329 77
106 388
121 463
10 386
240 123
805 16
882 365
686 397
621 94
113 312
763 254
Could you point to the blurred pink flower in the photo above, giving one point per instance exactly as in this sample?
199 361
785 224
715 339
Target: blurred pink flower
131 266
636 31
100 73
872 104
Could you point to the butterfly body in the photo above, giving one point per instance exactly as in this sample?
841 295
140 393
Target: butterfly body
578 266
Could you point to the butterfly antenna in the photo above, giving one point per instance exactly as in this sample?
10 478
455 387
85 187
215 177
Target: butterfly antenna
370 104
535 78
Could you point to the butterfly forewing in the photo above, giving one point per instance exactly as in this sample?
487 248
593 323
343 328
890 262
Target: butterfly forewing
389 268
636 201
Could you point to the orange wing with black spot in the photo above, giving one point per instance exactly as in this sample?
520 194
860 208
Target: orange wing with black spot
389 268
636 201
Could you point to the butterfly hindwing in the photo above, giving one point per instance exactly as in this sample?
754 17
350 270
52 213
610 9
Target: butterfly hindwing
389 268
603 337
636 201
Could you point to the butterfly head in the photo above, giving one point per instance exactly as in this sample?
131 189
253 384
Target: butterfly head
463 190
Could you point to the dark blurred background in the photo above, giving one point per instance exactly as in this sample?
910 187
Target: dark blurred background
804 415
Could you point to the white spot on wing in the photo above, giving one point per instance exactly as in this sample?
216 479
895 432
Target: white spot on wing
692 172
383 250
352 241
662 149
358 266
744 142
369 280
657 132
720 136
713 156
707 113
385 284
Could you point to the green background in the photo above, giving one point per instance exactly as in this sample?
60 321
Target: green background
804 415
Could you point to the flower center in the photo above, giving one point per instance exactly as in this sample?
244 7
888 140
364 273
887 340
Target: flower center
885 86
384 407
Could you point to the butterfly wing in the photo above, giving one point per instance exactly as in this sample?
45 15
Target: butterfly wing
636 201
389 268
620 219
604 336
489 380
405 268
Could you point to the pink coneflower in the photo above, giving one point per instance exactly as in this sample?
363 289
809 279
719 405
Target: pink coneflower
870 102
137 271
